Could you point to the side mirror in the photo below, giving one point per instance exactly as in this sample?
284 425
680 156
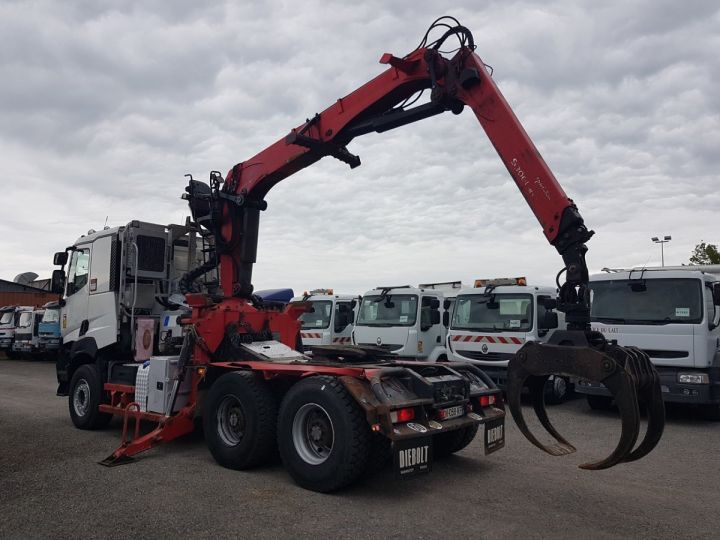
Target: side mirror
549 321
446 319
434 303
547 302
716 293
446 304
435 317
57 281
60 258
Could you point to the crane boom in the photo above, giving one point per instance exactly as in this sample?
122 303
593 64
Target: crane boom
230 208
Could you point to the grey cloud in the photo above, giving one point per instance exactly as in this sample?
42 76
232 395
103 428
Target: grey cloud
106 105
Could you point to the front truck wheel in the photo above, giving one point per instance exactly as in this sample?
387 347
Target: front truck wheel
323 436
239 420
448 443
86 395
599 403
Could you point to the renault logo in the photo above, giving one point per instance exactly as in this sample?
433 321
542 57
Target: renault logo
484 348
378 341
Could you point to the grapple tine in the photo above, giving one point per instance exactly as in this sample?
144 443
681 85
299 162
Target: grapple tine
622 386
513 389
650 393
536 386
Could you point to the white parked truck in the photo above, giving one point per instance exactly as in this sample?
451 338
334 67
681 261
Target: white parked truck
492 320
407 321
330 319
119 283
672 314
9 319
27 339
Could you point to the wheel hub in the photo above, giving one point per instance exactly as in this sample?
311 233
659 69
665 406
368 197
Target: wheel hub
313 434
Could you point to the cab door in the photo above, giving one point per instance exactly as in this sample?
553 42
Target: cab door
74 320
343 320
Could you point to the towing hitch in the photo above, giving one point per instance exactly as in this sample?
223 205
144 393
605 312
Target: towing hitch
626 372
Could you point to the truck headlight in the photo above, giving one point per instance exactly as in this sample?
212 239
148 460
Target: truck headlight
693 378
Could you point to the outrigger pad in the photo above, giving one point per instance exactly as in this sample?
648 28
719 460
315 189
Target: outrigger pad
626 372
112 461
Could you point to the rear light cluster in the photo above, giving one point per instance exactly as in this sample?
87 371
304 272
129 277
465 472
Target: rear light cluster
486 401
402 415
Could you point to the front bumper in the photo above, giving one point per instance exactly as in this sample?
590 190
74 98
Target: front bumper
672 390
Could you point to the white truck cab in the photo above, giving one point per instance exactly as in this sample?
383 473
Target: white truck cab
330 320
27 339
408 321
672 314
7 328
118 284
492 320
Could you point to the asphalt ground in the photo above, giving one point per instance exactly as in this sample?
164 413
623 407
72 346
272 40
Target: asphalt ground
52 487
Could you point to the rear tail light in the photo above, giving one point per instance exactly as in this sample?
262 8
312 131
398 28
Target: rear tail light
486 401
402 415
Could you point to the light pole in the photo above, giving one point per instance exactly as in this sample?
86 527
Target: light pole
665 240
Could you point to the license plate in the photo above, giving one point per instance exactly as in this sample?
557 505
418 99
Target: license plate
452 412
494 435
412 456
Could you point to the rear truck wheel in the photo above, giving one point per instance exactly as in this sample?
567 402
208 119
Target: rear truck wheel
239 421
599 403
323 436
711 411
86 395
448 443
557 390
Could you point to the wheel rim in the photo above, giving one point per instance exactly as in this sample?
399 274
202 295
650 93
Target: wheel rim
559 387
81 397
313 433
231 421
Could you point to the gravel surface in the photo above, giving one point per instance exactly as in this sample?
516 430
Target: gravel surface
52 486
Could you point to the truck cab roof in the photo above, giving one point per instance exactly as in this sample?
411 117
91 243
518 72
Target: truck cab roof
512 289
657 273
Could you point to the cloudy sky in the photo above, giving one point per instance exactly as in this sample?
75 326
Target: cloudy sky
104 106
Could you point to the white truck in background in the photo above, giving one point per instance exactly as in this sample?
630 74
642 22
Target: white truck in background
27 338
330 319
118 284
9 318
672 314
492 320
408 321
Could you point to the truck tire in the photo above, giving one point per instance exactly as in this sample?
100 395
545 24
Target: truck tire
323 436
599 403
84 398
448 443
557 390
711 411
239 421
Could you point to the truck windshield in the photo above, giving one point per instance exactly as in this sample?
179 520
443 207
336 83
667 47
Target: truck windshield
51 315
494 313
25 319
319 317
653 301
389 310
6 318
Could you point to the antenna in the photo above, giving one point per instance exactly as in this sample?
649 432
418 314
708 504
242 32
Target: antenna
105 226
